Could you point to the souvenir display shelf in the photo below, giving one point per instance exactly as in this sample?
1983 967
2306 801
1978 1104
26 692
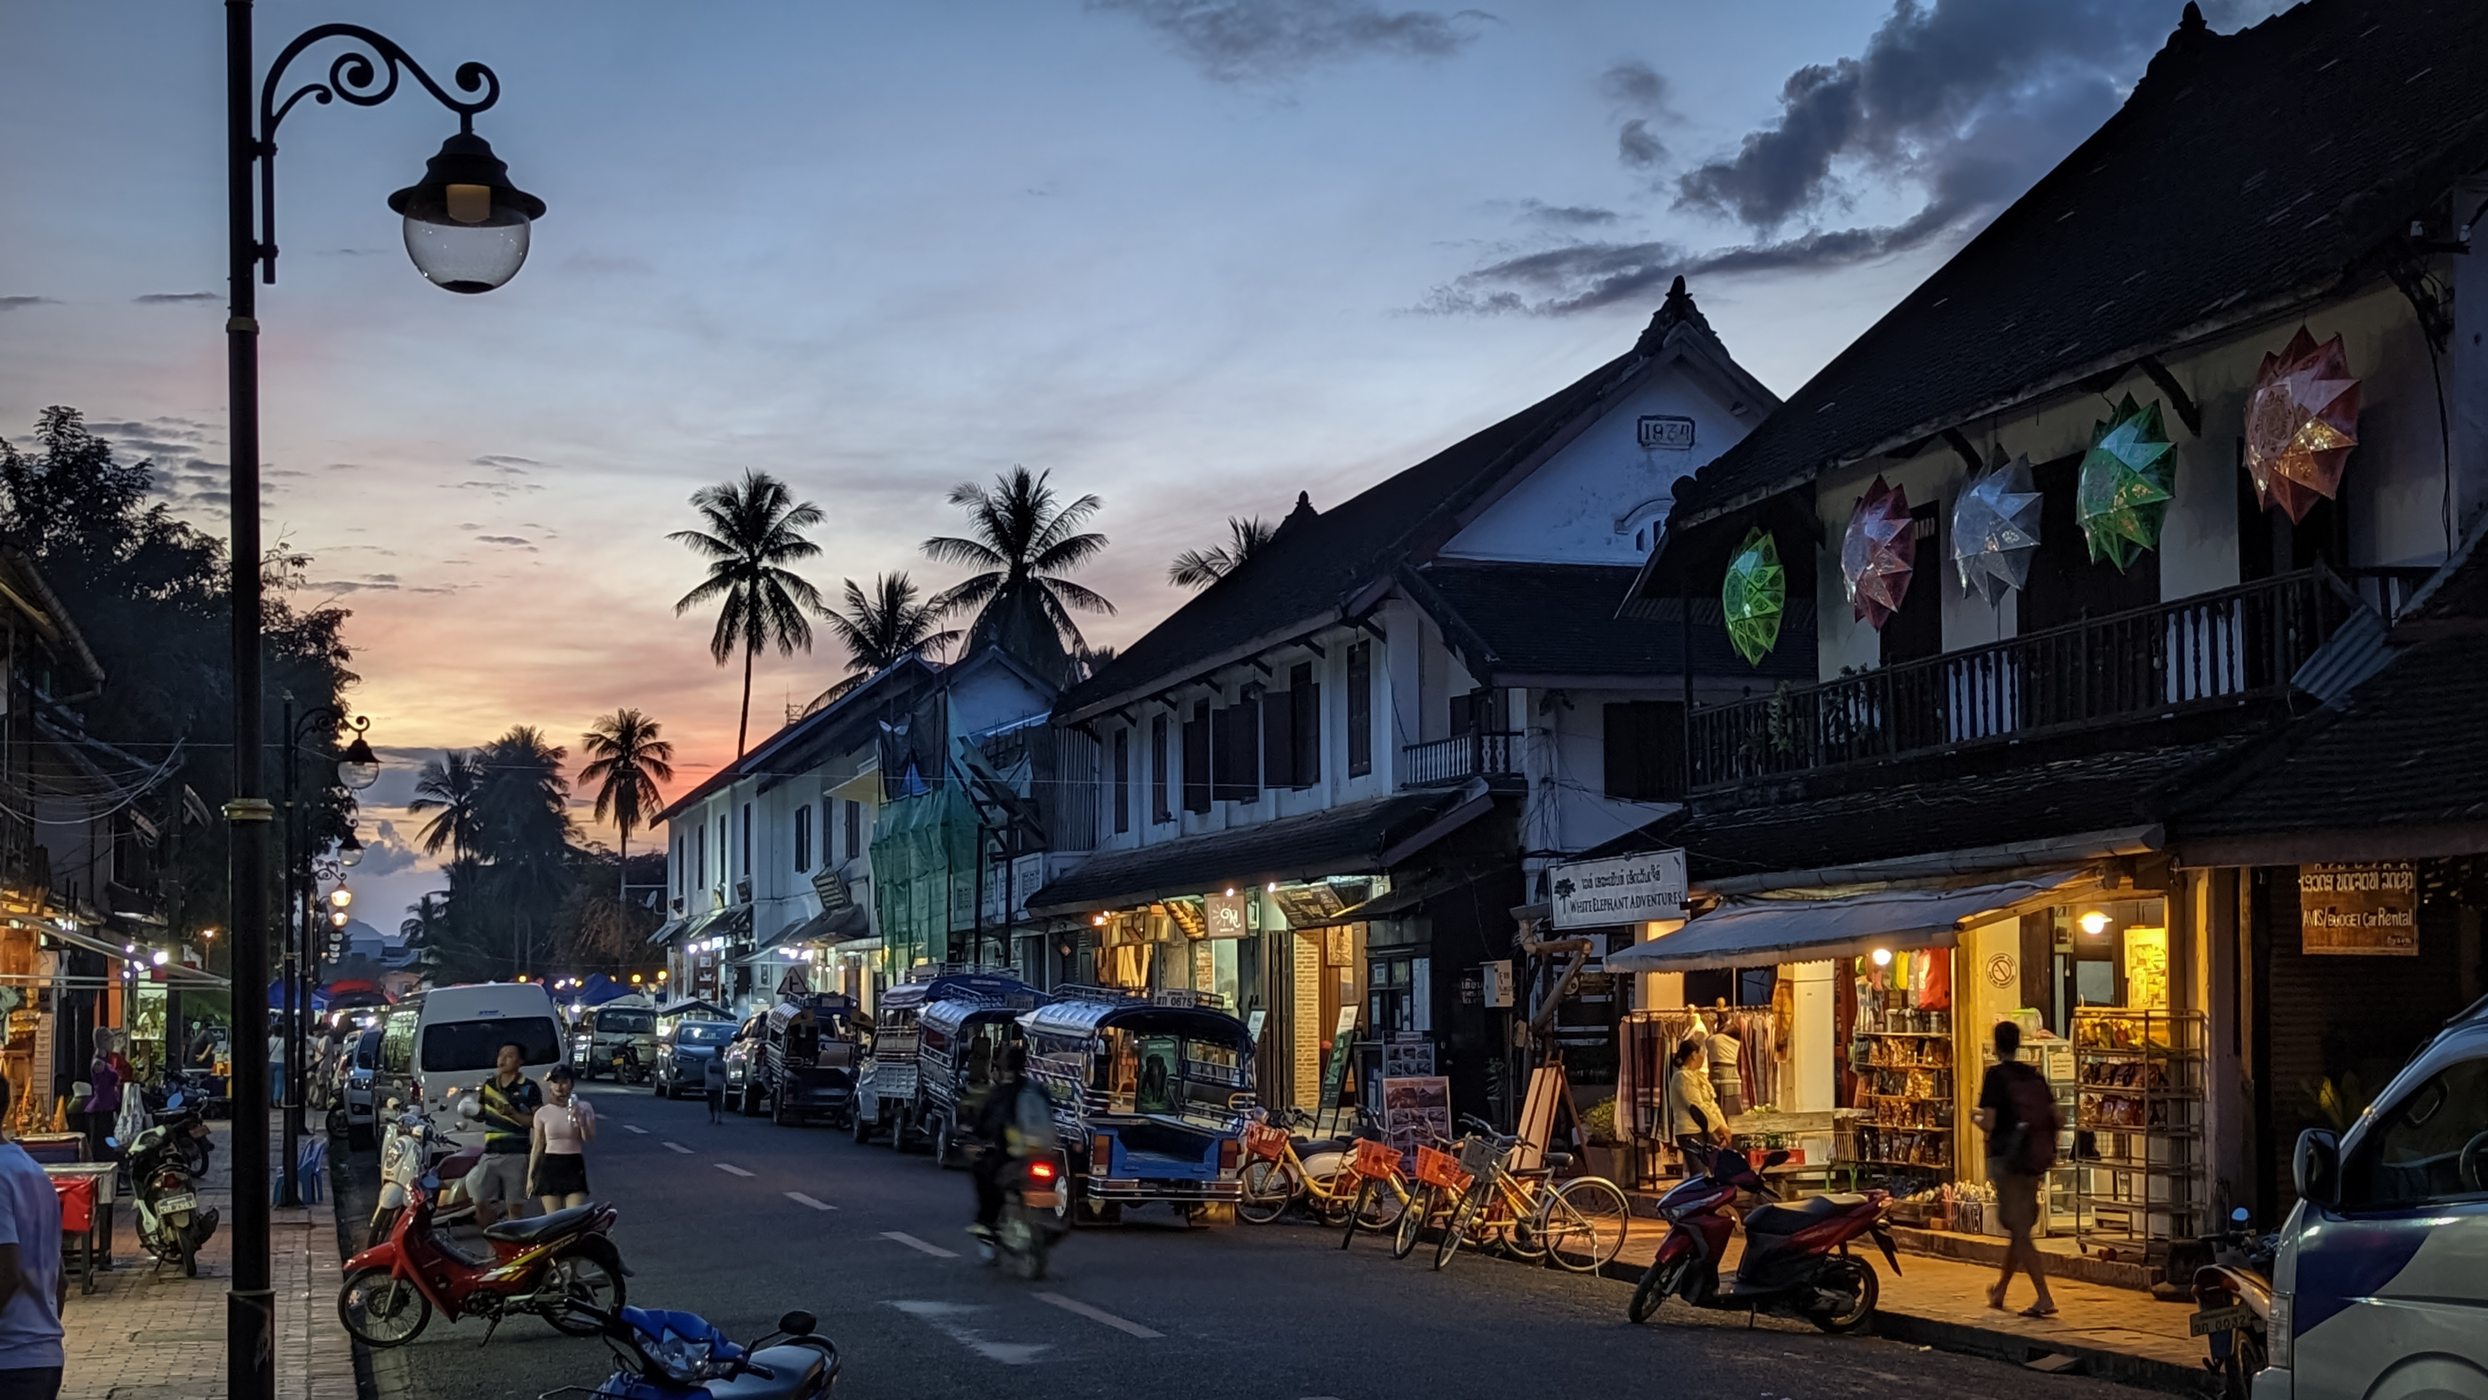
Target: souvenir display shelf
2138 1124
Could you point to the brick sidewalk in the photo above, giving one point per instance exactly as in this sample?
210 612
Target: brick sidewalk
145 1335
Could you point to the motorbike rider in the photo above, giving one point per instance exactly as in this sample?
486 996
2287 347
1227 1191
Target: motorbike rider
1015 1122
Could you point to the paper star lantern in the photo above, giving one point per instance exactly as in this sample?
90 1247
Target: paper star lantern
2301 422
1877 554
2128 478
1754 596
1995 529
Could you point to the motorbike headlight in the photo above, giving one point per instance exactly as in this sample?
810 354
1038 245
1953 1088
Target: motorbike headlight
683 1362
2277 1330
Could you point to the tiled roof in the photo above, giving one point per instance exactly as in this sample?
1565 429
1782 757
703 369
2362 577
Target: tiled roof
1335 841
2246 173
1561 620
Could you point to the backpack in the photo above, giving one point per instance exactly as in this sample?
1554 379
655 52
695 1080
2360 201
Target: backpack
2035 1120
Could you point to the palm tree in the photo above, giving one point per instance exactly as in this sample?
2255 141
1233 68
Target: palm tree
1023 544
1195 568
451 786
423 920
626 761
525 804
751 530
881 628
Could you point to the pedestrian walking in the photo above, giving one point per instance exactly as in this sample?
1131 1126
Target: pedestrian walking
713 1080
2017 1111
557 1147
33 1285
509 1101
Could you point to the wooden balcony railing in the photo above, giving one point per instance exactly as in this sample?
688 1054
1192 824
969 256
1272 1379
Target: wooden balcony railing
2202 652
1460 758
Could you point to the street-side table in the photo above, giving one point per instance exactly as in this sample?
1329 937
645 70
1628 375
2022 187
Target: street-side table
85 1190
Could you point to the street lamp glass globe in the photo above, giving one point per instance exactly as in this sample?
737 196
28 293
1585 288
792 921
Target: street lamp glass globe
358 768
466 224
341 897
338 919
350 851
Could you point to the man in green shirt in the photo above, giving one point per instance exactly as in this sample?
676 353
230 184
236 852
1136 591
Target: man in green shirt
508 1101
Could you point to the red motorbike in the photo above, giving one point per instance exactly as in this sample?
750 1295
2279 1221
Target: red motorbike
551 1265
1797 1261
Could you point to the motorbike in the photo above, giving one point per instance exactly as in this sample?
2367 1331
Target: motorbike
2233 1307
164 1164
405 1156
626 1066
680 1356
549 1265
1032 1219
1797 1261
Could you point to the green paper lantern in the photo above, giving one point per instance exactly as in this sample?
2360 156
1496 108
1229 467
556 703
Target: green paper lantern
2128 478
1754 596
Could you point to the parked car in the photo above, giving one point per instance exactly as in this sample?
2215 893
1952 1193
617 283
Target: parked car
2379 1288
740 1052
437 1047
358 1064
604 1031
684 1049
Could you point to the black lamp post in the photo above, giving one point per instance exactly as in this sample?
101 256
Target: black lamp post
466 228
357 768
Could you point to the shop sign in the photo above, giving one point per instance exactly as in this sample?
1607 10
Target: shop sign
1619 890
1415 1109
1666 431
1227 915
1335 1073
1498 984
2359 910
1407 1056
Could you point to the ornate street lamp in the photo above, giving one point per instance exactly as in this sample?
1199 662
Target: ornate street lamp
350 850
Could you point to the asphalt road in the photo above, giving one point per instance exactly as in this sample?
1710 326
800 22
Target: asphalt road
742 1221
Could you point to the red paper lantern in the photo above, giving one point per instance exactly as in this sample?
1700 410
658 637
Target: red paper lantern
2301 422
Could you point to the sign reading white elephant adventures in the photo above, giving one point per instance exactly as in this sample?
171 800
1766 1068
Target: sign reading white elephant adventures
1618 890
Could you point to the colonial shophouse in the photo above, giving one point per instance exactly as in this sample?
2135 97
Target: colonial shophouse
1325 782
2151 465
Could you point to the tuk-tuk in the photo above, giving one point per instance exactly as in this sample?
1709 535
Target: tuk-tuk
618 1036
961 1039
1151 1093
803 1063
887 1097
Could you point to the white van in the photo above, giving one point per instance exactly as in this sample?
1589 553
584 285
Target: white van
2380 1290
439 1046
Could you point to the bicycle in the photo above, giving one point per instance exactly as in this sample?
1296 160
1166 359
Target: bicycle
1275 1177
1444 1183
1579 1225
1377 1165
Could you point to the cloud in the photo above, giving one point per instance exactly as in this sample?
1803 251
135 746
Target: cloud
502 490
513 541
19 303
507 462
1244 41
1562 215
1637 147
386 852
372 583
1640 92
173 298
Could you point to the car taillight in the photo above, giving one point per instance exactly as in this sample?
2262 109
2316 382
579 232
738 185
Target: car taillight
1230 1152
1101 1154
1041 1170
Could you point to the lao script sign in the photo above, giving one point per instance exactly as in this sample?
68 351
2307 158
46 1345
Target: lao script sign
2359 910
1619 890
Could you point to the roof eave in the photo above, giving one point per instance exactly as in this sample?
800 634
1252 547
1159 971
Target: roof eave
1200 671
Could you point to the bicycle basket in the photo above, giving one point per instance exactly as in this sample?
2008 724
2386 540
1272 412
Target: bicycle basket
1265 1142
1378 1160
1479 1156
1439 1168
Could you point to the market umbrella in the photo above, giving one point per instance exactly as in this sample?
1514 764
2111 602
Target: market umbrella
1995 529
2301 422
1754 596
2128 478
1878 552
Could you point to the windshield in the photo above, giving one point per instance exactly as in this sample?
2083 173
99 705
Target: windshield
703 1033
627 1021
458 1047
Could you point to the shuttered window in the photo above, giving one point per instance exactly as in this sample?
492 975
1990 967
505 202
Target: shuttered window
1235 733
1196 758
1645 750
1160 781
1278 739
1304 697
1360 709
1122 781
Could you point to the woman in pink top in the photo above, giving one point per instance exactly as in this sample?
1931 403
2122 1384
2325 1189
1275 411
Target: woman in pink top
557 1146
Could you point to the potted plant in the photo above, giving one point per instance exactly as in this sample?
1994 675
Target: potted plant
1606 1143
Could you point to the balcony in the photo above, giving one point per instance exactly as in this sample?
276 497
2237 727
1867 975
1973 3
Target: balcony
1441 762
2206 652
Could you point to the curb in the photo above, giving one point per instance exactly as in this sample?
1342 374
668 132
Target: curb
366 1384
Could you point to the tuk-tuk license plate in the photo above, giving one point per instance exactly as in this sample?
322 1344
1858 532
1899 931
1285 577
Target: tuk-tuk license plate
1039 1200
175 1205
2204 1324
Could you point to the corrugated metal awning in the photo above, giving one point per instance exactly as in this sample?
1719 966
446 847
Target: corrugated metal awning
1764 931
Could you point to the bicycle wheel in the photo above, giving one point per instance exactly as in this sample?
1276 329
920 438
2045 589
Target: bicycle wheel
1412 1222
1380 1206
1583 1223
1269 1189
1365 1192
1462 1216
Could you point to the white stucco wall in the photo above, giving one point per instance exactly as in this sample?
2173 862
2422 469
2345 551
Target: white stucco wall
1567 807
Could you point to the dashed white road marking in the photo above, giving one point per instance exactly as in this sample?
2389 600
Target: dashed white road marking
1094 1314
921 1246
677 1147
949 1320
634 1128
801 1199
730 1169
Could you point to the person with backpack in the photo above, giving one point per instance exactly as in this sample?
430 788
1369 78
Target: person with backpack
2017 1111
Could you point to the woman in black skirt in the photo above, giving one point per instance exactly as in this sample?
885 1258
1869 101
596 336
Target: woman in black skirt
557 1149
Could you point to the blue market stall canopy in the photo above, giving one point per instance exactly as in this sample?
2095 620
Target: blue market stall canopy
1757 932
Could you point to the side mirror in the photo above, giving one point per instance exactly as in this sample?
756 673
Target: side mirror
469 1108
2315 1169
798 1324
2239 1216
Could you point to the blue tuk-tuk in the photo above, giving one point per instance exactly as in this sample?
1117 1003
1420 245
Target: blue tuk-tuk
896 1095
1151 1093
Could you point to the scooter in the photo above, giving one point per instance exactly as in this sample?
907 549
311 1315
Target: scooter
681 1356
164 1165
2233 1306
1032 1218
1797 1261
405 1156
549 1265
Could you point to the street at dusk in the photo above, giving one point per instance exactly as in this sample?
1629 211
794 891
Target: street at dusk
763 701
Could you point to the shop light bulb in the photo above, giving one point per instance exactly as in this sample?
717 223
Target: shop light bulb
1274 887
1099 920
1883 957
160 958
1230 891
2094 923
